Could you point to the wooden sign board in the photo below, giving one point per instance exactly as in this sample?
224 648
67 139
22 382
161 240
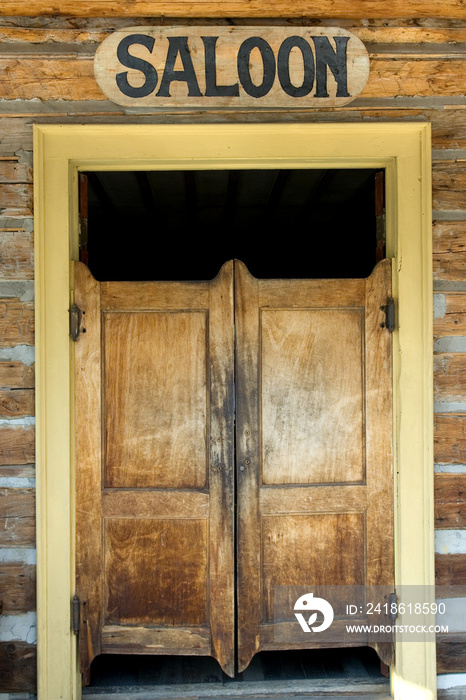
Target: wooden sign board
245 67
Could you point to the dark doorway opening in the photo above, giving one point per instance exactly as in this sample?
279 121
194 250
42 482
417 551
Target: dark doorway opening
324 669
183 225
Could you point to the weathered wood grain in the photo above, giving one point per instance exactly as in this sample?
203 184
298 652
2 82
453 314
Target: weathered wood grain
450 501
450 569
17 517
155 504
449 250
169 421
18 470
16 375
12 172
450 439
283 369
166 360
422 78
49 79
410 35
17 445
451 653
17 587
16 403
134 296
96 31
155 572
18 667
236 8
454 320
450 377
52 36
89 551
16 254
16 323
143 640
449 186
15 199
302 499
72 78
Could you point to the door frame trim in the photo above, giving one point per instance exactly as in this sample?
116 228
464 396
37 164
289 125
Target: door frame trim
60 152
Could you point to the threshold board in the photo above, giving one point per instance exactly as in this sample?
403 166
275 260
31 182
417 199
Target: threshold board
329 689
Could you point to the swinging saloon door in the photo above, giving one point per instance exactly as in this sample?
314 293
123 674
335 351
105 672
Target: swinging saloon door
159 485
154 467
314 446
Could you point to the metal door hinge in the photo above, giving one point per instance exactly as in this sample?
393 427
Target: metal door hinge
75 614
393 606
389 309
75 322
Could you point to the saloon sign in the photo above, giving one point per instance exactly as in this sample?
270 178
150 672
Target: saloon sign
231 67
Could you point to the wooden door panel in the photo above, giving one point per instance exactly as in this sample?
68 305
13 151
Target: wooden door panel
314 395
155 572
155 438
320 550
155 467
312 409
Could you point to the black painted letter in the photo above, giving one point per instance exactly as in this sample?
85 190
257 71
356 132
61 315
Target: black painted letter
211 87
129 61
179 45
284 66
268 59
335 60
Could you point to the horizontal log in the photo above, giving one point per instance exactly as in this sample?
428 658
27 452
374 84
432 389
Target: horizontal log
72 78
16 322
16 375
454 320
410 35
17 587
16 254
449 250
451 9
17 517
15 403
18 503
12 172
16 199
450 377
451 653
46 35
17 532
449 439
18 667
449 187
373 35
450 501
450 569
17 445
420 78
18 470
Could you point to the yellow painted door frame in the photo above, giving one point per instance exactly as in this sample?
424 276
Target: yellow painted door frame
60 152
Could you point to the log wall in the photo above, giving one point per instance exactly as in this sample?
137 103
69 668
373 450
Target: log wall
418 72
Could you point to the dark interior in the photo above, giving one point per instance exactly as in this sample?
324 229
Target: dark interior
183 225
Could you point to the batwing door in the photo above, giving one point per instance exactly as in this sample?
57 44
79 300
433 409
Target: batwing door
184 528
